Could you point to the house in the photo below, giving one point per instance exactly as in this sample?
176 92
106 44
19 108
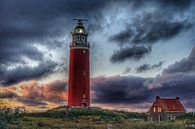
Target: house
165 109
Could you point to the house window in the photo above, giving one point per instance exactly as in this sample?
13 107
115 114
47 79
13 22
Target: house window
169 116
159 109
154 109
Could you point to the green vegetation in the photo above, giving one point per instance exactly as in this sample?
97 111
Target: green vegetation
87 122
189 116
94 118
9 118
96 112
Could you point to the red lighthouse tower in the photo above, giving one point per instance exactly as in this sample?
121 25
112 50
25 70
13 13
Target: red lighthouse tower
79 68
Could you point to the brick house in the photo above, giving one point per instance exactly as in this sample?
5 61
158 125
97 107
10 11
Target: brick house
165 109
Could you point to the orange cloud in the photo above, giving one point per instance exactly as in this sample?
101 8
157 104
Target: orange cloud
34 94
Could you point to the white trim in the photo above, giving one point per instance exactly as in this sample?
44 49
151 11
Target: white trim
159 118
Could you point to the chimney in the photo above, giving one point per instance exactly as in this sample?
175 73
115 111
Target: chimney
177 98
157 97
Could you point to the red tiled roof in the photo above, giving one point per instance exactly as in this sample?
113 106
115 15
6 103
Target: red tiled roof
171 104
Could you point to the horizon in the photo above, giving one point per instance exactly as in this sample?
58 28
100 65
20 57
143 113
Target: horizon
139 50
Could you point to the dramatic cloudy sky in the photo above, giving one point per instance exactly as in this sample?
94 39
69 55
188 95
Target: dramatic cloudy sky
139 49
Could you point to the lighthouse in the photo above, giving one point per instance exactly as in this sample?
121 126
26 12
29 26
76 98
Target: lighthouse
79 68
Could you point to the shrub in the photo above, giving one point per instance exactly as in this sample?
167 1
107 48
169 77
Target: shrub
190 115
9 118
41 124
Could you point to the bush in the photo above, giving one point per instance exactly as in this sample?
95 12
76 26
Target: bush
9 118
190 115
41 124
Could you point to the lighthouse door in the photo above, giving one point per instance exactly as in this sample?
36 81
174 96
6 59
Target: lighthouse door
83 103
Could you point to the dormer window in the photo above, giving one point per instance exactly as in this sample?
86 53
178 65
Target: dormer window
159 109
154 109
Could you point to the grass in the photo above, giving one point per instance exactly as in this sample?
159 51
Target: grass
92 119
97 113
90 123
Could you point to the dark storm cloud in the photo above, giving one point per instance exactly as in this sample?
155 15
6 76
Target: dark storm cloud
127 70
119 90
15 67
16 54
177 84
164 4
146 30
147 67
150 28
41 19
136 90
11 76
143 68
167 20
176 4
158 65
122 37
134 52
186 65
181 85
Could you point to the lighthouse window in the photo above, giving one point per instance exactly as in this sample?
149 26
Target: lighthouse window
78 37
84 96
83 38
84 73
84 51
74 38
